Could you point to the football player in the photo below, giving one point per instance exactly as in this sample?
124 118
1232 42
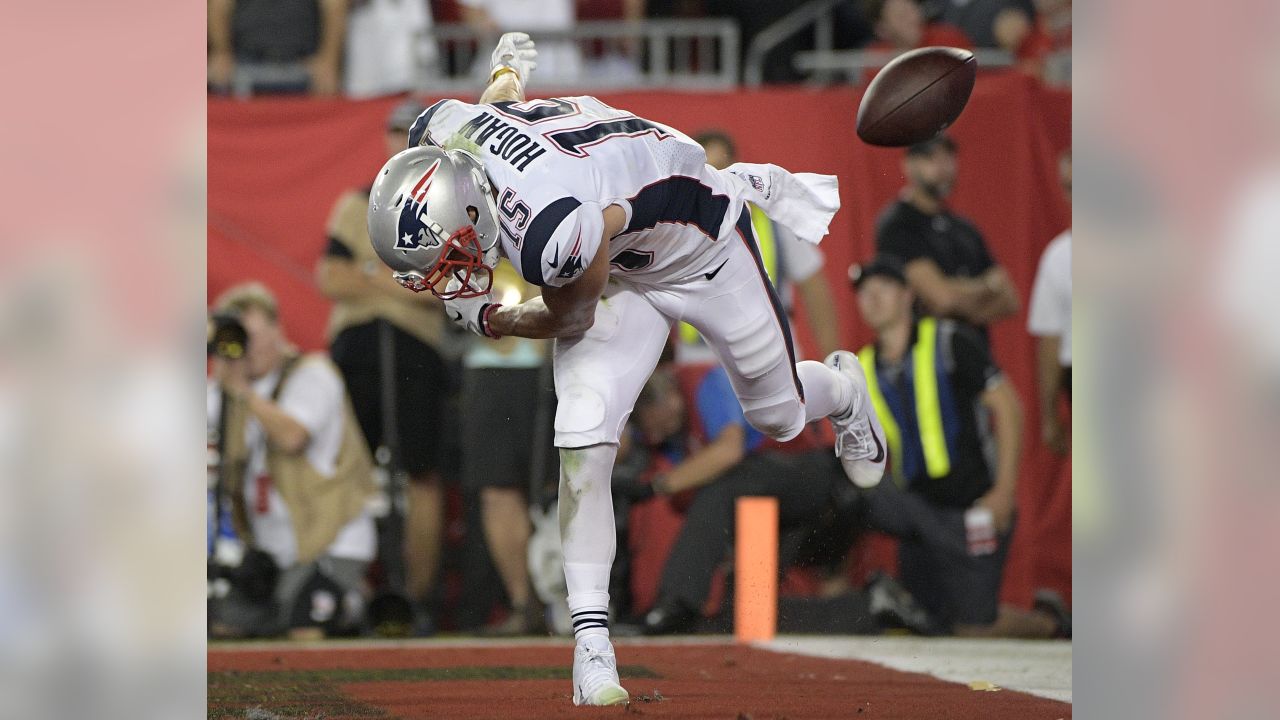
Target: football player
627 230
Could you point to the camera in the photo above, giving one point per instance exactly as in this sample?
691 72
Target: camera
227 337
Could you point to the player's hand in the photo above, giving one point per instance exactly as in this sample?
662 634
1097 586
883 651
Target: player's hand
469 313
515 51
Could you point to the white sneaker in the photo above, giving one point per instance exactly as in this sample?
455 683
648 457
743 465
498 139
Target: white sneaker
860 442
595 674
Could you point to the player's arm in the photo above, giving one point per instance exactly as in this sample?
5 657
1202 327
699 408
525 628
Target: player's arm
560 312
513 60
568 310
504 86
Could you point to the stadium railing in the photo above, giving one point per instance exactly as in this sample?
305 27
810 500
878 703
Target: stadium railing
659 53
824 63
818 13
854 65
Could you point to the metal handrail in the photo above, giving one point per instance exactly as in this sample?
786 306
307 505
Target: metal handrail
779 32
856 62
717 39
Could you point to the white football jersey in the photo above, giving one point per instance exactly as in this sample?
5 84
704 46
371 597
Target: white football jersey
557 163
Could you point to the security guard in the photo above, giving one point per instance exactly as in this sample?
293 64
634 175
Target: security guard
953 472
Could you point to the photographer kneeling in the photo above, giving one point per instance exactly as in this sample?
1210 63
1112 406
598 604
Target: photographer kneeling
296 474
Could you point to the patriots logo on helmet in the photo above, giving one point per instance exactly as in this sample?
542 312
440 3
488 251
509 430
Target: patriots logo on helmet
413 228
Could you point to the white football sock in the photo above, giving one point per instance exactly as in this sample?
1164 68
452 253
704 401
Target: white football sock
587 535
826 392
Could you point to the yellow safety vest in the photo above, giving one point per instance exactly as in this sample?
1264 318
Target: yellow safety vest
768 253
933 439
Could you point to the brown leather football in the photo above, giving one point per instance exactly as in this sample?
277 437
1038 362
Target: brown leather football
916 96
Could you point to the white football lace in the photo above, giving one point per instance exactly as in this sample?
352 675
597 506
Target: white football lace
857 436
601 675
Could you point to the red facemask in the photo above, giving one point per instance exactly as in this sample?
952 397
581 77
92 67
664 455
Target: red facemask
463 259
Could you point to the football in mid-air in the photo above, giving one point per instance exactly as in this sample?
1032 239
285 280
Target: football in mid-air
916 96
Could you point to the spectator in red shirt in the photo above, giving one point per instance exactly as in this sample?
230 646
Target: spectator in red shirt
900 25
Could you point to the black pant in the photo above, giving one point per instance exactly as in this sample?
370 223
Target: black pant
802 483
422 388
933 556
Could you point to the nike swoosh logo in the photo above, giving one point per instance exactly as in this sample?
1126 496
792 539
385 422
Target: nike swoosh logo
879 448
457 316
711 275
555 259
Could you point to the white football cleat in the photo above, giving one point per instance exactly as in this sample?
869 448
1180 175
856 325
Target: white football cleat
860 441
595 674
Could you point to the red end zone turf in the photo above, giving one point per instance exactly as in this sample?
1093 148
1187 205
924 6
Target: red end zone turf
724 682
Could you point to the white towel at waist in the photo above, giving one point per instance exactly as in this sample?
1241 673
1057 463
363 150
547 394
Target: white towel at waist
804 203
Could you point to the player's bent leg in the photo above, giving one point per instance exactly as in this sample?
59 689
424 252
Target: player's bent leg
588 540
741 317
826 391
781 420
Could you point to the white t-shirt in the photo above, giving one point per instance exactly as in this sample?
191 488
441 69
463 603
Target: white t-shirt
313 396
1050 312
388 46
527 15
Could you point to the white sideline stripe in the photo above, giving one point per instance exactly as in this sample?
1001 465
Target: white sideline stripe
1036 667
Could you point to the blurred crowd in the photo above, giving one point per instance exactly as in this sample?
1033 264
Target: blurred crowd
404 482
363 48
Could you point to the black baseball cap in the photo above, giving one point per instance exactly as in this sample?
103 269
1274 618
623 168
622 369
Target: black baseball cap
882 266
941 140
404 114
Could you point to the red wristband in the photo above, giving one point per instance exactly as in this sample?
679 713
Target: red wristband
484 320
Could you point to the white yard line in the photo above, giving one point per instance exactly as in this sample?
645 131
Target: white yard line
1040 668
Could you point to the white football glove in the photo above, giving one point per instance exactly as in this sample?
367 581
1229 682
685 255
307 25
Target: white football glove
470 313
515 51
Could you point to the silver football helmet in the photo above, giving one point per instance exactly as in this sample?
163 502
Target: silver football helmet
432 218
